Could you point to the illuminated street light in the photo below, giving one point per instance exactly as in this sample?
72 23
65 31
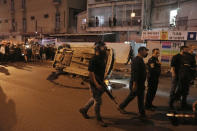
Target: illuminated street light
132 14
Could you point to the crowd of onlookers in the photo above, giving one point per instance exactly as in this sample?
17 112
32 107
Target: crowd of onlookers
26 52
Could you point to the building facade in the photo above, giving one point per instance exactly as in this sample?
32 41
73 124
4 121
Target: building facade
122 17
39 16
171 14
127 18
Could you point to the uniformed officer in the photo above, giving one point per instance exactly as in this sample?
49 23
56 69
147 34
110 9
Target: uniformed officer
137 82
154 70
175 70
96 69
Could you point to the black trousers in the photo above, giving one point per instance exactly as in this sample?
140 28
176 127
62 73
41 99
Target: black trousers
180 89
174 86
129 59
140 95
152 89
184 82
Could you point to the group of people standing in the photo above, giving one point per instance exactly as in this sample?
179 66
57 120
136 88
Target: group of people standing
39 52
10 52
21 52
183 72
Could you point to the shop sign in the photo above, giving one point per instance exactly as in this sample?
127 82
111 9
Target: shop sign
192 36
150 35
177 35
164 35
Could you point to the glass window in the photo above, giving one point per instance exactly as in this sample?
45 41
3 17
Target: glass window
173 14
32 17
57 21
23 3
13 25
46 16
12 4
24 24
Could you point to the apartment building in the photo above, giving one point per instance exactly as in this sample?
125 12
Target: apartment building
121 17
171 14
28 17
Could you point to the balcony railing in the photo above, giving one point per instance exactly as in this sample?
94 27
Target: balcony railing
99 1
134 22
127 25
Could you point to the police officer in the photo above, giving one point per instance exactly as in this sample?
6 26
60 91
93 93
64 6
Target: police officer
154 70
175 70
137 82
96 69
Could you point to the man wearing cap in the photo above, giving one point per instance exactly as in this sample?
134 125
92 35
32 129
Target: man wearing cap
137 82
96 69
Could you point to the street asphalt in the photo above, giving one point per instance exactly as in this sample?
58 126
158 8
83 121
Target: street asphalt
32 99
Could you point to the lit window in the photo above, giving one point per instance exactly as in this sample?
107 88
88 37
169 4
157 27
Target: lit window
173 14
83 21
101 20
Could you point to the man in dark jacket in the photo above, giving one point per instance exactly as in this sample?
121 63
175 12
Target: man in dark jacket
186 76
176 63
137 85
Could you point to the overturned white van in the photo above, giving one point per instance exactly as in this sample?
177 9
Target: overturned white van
75 60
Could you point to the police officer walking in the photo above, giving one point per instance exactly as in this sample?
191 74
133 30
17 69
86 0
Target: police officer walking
137 82
154 70
96 69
